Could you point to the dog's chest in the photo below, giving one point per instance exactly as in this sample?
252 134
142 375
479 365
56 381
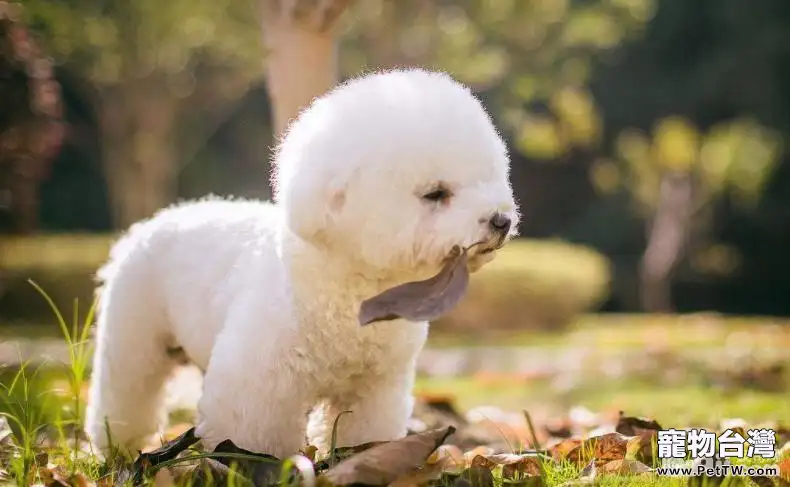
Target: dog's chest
346 351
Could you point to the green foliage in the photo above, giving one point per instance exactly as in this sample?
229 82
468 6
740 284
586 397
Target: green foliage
737 155
117 42
536 51
25 408
532 283
80 347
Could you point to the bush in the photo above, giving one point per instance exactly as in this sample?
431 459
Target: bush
63 265
532 283
539 284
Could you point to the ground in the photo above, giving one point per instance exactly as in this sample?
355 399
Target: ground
699 370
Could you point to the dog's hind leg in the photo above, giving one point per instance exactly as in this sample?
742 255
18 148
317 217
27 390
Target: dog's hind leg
131 364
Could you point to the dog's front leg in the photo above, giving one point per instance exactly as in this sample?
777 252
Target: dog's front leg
380 410
252 396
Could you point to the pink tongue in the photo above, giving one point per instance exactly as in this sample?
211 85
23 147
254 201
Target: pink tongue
420 300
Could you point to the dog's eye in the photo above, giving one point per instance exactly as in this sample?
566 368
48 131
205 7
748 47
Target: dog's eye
439 194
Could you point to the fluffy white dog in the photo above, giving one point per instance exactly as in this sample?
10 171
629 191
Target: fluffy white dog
375 183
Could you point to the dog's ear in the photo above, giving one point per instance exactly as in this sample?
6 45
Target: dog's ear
312 206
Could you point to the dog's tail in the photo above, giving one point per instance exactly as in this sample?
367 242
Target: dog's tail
130 364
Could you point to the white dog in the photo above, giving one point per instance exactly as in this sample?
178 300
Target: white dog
375 183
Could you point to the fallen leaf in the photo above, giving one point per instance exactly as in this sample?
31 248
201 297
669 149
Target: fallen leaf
53 477
384 463
80 480
163 478
784 469
604 448
632 426
420 477
168 451
149 460
343 452
449 457
483 451
642 446
561 450
559 428
260 471
624 467
421 300
513 466
526 466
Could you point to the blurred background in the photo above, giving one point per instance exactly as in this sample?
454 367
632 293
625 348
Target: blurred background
648 157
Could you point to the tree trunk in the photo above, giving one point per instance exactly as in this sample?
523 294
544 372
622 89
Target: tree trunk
301 61
667 239
24 183
138 152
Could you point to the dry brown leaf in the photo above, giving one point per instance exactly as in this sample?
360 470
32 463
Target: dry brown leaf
604 448
260 472
481 450
560 428
449 457
561 450
56 476
385 463
164 478
526 466
632 426
52 477
513 465
784 469
421 300
420 477
640 447
624 467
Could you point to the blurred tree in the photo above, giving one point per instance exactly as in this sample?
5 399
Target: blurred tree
529 62
524 57
301 61
532 61
31 126
675 176
710 75
163 75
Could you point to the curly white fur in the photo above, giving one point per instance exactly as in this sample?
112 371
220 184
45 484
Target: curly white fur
263 297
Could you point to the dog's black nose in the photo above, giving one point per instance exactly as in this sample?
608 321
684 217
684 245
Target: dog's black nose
500 223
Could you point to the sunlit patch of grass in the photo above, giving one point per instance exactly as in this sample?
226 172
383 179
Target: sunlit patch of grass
42 420
680 405
80 346
634 331
26 412
37 411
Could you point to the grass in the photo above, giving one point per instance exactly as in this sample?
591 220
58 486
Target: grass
44 420
680 406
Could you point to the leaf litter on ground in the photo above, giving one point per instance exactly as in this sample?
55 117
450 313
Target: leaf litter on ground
429 457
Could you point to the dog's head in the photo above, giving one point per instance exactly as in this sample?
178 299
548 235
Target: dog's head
393 169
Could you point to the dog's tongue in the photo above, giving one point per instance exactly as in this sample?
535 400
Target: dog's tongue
421 300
